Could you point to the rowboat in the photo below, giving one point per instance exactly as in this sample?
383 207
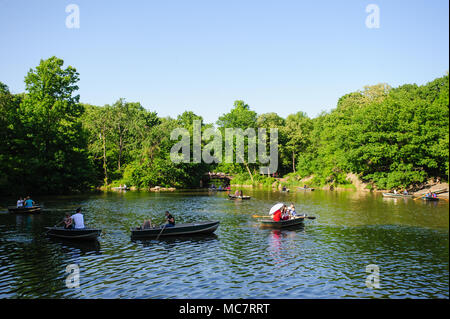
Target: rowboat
198 228
392 195
120 188
282 223
24 210
238 197
82 233
217 189
306 189
430 199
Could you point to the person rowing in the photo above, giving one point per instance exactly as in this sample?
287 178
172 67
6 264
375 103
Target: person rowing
29 202
170 220
78 219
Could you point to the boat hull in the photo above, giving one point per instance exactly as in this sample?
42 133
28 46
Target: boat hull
177 230
430 199
283 223
305 189
23 210
392 195
239 197
76 234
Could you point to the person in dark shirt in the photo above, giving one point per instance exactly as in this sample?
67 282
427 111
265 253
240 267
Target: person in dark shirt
170 220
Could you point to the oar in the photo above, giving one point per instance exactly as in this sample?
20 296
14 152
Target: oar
54 226
161 231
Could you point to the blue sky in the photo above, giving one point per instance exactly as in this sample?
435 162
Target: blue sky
278 56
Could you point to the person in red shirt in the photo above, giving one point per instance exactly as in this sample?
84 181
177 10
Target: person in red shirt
277 216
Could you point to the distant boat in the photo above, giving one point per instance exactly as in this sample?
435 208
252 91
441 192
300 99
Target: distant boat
430 199
238 197
306 189
82 233
393 195
24 210
121 188
205 227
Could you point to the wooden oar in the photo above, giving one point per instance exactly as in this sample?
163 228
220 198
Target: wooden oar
161 231
54 226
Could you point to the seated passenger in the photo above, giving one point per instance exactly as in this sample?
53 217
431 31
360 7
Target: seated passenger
68 222
284 213
147 224
277 216
292 211
20 203
29 202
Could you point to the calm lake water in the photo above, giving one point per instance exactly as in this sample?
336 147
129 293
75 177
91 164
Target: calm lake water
327 258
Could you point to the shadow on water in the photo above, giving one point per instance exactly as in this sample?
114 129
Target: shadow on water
84 246
197 239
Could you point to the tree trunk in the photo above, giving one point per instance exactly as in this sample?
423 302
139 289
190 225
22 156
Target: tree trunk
120 149
293 161
104 158
248 170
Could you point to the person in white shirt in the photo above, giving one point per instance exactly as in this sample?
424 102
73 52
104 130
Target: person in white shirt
20 202
78 219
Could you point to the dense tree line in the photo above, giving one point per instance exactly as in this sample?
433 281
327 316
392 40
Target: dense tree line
52 143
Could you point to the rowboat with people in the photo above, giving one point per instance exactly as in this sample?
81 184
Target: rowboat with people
198 228
238 197
74 233
298 220
121 188
24 210
430 199
394 195
306 189
280 216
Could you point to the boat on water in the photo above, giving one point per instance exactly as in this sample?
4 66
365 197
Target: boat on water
238 197
430 199
198 228
393 195
298 220
82 233
120 188
24 210
218 189
306 189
